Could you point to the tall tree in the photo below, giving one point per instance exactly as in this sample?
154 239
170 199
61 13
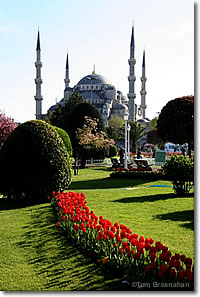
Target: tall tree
153 123
90 137
176 121
77 120
115 129
60 117
137 131
153 137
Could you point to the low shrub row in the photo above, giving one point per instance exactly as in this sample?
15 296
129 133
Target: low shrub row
143 173
140 259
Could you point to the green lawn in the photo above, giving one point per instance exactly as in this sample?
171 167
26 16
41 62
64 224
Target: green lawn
149 211
34 256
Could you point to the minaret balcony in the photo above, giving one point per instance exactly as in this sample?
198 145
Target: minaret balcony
143 79
132 78
131 95
143 92
67 80
143 106
38 80
38 98
132 61
38 64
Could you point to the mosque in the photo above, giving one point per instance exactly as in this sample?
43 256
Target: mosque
99 91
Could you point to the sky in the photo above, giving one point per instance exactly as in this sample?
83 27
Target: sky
94 32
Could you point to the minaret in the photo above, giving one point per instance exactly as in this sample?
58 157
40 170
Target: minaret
38 81
67 91
67 80
93 72
143 88
131 79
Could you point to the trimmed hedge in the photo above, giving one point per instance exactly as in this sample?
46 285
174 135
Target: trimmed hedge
112 151
151 175
34 162
65 138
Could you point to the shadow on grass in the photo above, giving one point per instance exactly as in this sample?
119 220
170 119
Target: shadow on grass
59 264
149 198
106 183
182 216
8 204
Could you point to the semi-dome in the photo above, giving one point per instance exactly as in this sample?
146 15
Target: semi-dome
120 106
95 78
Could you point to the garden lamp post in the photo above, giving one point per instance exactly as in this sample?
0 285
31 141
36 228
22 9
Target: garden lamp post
125 154
129 129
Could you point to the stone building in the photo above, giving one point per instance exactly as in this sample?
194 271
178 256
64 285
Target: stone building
98 90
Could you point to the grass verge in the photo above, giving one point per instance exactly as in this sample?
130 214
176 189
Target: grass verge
146 209
34 256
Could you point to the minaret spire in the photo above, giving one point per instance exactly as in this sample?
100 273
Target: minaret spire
38 41
93 72
132 78
143 88
38 80
67 80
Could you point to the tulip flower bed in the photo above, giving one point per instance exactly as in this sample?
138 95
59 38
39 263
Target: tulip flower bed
140 259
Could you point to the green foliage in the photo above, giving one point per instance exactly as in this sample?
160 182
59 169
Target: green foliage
65 138
34 162
153 137
115 129
153 123
77 120
61 116
176 121
112 151
180 170
137 131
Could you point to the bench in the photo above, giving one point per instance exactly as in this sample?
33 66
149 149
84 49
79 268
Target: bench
141 163
115 163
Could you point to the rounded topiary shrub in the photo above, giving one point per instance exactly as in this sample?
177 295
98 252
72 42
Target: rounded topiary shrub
180 171
34 162
112 151
65 138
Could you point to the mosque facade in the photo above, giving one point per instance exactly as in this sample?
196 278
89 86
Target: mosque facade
98 90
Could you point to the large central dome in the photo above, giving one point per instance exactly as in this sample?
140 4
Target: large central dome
95 78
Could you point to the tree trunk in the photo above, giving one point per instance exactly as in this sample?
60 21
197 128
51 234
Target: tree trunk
75 171
83 162
76 164
189 149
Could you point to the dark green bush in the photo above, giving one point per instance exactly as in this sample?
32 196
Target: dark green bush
112 151
65 138
180 170
34 162
148 175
